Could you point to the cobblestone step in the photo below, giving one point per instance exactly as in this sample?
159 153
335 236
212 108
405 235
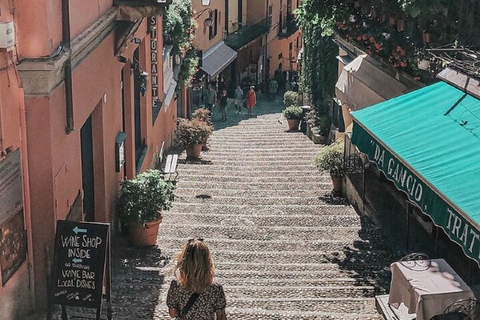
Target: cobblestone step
373 268
185 184
281 147
325 233
266 221
289 178
222 191
271 257
273 200
205 207
218 156
239 168
279 245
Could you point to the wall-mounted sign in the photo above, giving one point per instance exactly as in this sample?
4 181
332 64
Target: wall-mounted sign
79 263
153 58
120 151
11 194
13 246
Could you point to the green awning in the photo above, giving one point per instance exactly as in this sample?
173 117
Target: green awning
428 143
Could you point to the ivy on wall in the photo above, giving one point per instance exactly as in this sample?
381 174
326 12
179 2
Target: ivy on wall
319 64
179 31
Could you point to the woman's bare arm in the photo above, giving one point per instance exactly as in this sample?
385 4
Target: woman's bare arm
172 312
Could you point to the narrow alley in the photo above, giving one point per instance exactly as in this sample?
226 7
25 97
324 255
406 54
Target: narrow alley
283 247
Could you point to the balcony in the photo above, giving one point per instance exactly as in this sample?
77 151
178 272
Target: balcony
289 28
246 34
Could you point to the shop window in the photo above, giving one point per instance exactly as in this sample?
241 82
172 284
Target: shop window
213 29
270 14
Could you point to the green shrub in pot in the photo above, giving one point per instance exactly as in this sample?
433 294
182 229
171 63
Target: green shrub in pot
292 112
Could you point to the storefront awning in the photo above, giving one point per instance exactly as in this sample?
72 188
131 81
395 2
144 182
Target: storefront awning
217 58
428 143
362 84
170 93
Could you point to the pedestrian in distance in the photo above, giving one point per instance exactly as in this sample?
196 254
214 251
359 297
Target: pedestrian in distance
273 88
238 98
251 100
223 104
210 97
194 295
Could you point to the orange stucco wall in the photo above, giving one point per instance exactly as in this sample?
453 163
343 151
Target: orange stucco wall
91 10
39 27
202 41
15 296
281 46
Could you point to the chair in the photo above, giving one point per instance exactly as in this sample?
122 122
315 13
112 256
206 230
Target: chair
415 256
463 309
410 261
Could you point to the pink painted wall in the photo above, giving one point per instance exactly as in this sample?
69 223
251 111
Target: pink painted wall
256 10
55 162
281 46
91 11
15 295
39 27
202 41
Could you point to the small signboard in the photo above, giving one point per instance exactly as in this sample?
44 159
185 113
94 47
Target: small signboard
81 249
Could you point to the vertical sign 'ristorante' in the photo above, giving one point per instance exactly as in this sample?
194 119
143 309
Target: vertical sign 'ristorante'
154 58
80 250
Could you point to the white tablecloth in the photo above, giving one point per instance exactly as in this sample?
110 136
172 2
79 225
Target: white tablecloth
426 289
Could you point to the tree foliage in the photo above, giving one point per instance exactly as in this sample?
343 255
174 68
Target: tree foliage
179 32
319 66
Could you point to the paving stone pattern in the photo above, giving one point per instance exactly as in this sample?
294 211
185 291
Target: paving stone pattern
284 248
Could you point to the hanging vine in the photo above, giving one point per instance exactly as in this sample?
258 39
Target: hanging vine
319 66
179 32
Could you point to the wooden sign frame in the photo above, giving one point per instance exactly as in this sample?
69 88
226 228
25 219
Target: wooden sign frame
82 266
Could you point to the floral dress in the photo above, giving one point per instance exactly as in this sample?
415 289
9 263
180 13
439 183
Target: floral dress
208 302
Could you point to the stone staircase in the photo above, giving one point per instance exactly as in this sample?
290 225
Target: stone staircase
283 247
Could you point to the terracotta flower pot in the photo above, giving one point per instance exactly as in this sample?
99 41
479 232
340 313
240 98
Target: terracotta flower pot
392 21
144 235
293 124
194 150
337 185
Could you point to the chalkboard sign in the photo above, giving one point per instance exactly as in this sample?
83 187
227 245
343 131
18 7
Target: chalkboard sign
79 263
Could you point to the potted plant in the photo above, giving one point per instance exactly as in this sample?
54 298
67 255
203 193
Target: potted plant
290 98
204 115
141 203
318 127
331 158
293 114
192 134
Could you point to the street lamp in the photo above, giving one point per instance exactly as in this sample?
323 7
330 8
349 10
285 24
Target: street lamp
205 3
208 21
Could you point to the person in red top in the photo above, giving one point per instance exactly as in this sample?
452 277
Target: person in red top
251 100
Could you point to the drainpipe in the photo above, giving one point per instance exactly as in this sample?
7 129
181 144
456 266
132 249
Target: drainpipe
226 18
68 66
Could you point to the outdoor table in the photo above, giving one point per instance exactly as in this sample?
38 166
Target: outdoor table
426 287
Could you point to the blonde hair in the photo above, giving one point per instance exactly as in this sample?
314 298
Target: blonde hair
195 266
